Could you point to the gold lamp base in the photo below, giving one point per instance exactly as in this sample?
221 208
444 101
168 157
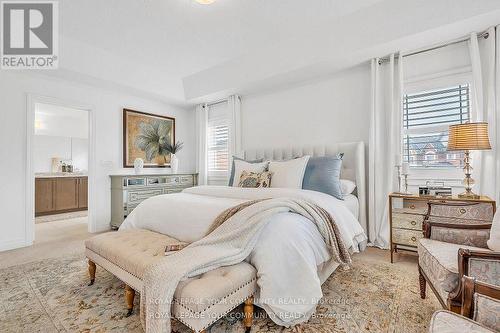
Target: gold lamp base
469 195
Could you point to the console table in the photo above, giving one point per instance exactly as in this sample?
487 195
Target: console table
128 191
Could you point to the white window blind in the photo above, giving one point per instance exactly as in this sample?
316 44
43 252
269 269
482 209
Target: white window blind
218 145
426 118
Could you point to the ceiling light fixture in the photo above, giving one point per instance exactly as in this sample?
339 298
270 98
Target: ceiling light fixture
205 2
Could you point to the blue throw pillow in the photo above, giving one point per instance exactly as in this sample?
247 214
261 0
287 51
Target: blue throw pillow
231 178
323 175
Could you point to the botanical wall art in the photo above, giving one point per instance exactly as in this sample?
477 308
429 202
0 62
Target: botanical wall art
147 136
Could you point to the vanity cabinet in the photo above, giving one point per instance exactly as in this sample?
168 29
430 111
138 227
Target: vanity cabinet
83 198
55 195
44 196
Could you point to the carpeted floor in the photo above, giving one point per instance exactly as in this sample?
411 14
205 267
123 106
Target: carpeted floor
52 296
60 217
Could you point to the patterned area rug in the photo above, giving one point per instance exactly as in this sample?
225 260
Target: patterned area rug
52 296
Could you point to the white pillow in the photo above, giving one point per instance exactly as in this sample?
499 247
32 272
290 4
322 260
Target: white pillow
347 186
288 174
494 241
240 166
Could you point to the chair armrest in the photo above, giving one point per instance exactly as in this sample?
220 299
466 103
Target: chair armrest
476 265
465 256
480 301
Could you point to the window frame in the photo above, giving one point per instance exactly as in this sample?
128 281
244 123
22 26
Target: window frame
432 82
218 177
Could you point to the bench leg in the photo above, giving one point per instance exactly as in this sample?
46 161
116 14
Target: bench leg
129 297
92 269
248 310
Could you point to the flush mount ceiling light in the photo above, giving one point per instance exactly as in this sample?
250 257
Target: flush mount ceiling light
205 2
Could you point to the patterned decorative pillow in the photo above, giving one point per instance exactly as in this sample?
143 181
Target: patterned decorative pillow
255 179
233 168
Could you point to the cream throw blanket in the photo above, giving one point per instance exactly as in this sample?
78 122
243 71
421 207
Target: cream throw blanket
229 244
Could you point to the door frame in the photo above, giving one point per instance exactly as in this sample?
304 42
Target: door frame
31 100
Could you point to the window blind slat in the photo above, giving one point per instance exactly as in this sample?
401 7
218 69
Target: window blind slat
423 114
218 147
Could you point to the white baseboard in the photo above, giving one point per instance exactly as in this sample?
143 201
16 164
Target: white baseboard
101 228
13 244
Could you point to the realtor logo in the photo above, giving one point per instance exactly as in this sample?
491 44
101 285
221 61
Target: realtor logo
29 35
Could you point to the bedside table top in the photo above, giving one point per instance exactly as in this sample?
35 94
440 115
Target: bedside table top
483 198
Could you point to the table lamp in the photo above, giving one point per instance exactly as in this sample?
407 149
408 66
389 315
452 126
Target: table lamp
467 137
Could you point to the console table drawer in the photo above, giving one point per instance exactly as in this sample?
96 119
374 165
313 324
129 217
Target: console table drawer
170 191
135 181
407 221
128 209
138 196
406 237
166 181
187 180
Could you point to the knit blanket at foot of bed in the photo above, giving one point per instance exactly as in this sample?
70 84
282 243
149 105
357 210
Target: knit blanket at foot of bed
230 243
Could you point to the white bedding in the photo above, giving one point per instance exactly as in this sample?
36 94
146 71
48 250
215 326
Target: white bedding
288 280
352 203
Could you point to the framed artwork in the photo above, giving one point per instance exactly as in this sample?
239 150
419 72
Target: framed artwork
144 135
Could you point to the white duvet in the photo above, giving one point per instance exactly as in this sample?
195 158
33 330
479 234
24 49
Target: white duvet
288 252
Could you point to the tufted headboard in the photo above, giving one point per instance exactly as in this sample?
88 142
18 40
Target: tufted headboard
353 164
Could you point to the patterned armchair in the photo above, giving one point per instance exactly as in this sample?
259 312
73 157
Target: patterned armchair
480 310
454 246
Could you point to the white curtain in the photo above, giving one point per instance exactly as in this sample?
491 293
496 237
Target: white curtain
384 145
201 143
485 59
234 121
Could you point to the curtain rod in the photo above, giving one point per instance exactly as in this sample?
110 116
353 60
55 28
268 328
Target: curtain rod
483 34
215 103
219 101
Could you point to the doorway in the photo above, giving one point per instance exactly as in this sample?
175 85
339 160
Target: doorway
60 170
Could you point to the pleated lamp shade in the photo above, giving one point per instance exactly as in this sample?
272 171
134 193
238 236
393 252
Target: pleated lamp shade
469 136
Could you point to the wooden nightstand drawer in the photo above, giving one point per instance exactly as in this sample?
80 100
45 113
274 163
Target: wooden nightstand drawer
412 207
407 221
464 210
406 237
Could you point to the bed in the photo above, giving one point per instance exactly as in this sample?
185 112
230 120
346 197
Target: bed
353 168
299 246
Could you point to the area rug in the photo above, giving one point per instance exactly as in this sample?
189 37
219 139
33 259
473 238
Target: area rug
53 296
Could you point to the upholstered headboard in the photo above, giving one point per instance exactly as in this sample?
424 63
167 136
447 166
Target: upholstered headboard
353 165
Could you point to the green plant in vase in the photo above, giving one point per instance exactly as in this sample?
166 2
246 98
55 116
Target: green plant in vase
173 149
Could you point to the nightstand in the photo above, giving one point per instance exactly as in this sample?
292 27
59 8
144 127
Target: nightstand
407 213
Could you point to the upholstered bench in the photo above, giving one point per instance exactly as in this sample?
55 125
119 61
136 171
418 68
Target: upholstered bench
198 302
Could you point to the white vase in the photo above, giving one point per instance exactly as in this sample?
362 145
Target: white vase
138 165
174 163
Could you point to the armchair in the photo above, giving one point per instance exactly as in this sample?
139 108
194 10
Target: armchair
480 310
454 246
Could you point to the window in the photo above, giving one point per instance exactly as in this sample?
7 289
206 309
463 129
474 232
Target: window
426 118
218 144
